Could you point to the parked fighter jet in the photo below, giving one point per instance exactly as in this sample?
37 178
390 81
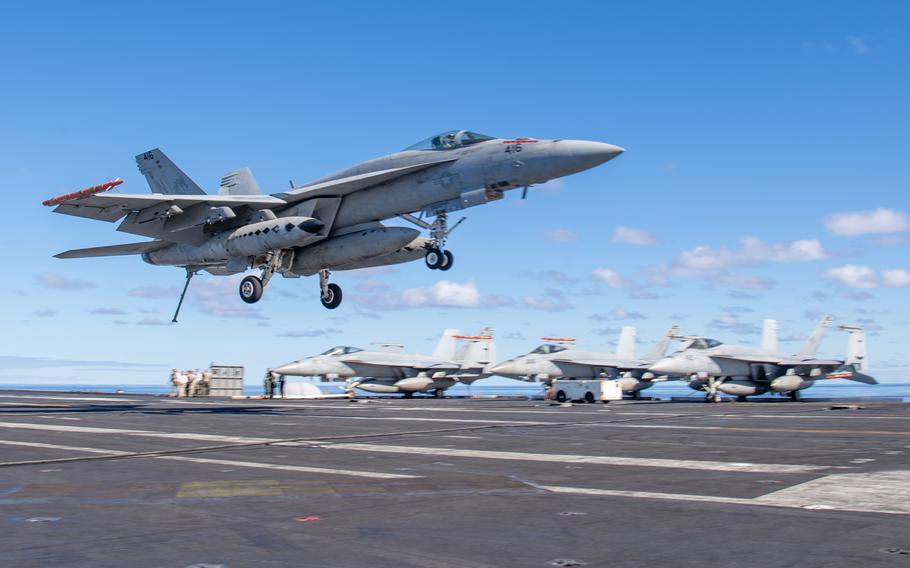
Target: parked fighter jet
559 359
742 370
390 370
332 223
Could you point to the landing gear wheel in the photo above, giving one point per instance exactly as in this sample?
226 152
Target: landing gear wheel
794 396
434 258
560 396
447 260
408 394
439 393
742 398
589 397
251 289
332 297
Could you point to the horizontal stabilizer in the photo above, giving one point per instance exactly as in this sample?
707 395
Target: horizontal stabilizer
114 250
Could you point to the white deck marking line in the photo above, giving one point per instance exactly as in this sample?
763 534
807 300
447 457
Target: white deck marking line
88 398
645 495
582 459
235 463
144 433
879 492
459 420
301 468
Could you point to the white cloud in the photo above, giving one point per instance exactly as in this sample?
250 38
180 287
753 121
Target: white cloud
155 292
562 236
631 236
731 323
58 282
610 277
310 332
617 314
881 220
552 301
896 278
441 294
218 297
752 251
853 276
859 45
444 293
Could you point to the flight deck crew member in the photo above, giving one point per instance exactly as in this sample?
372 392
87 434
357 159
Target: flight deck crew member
195 379
281 385
269 384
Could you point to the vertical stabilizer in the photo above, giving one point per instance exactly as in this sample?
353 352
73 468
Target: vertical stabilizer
625 349
856 346
480 350
445 349
164 176
810 348
660 348
239 182
769 340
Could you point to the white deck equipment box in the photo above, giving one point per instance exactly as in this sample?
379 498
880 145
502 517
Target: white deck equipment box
586 390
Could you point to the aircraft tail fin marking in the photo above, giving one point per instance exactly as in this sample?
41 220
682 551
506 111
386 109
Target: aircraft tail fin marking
164 176
239 182
660 348
769 340
625 349
810 348
445 349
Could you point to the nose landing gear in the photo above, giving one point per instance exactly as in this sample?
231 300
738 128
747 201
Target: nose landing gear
437 258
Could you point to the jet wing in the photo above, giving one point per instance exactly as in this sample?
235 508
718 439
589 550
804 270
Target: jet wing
344 186
403 364
605 362
114 250
112 206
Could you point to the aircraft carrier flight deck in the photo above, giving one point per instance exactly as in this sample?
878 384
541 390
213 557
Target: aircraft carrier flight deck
146 481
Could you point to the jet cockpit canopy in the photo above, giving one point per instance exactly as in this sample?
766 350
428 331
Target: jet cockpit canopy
548 348
450 140
703 343
340 350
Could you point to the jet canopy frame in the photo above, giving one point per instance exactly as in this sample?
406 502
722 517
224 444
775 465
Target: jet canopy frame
450 140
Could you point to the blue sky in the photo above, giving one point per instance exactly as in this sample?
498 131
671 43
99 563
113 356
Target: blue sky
764 175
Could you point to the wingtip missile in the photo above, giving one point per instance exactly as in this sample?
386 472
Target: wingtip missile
100 188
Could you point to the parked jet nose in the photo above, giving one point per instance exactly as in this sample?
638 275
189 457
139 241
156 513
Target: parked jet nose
572 156
507 369
669 366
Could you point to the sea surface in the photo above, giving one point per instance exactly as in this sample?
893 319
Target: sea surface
840 389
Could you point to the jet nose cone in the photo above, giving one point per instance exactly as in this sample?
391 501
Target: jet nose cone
573 156
285 369
505 369
667 366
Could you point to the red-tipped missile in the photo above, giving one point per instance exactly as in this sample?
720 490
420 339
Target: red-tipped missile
83 192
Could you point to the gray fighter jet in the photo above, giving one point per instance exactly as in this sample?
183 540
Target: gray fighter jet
560 359
391 370
742 371
332 223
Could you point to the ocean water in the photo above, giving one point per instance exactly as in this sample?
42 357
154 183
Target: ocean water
839 389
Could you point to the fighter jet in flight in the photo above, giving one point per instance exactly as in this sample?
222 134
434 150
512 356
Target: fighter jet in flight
560 359
391 370
742 371
332 223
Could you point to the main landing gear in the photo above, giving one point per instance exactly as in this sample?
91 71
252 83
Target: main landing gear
251 287
437 258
